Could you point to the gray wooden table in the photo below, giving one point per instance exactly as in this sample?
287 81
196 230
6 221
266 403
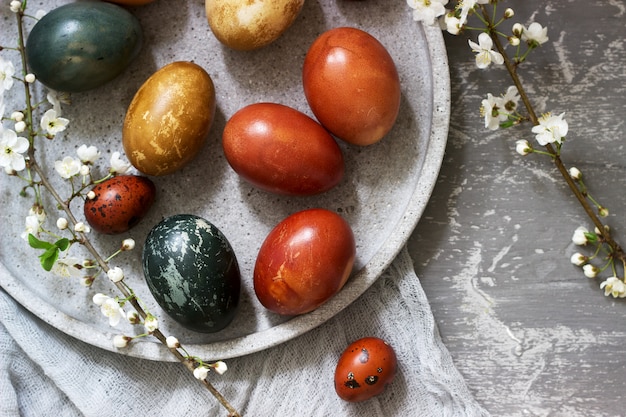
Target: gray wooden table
531 334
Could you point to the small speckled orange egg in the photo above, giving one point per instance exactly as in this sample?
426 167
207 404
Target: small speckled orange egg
119 203
169 118
365 369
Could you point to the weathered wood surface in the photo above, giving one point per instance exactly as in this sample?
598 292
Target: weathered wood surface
530 333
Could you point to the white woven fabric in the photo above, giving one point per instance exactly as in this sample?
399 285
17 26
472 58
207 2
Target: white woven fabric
46 373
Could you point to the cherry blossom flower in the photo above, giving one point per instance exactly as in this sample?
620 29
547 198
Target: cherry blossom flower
615 287
112 309
427 11
7 70
11 149
67 267
535 35
550 129
52 123
118 166
68 167
56 99
451 23
88 154
32 226
510 99
115 274
466 6
201 372
484 54
490 109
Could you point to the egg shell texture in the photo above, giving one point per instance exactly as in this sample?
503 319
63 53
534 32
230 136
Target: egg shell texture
352 85
119 203
192 272
80 46
169 119
251 24
305 260
281 150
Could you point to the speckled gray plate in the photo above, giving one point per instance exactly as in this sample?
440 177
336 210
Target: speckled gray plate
383 194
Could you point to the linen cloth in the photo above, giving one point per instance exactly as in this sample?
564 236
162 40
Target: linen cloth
47 373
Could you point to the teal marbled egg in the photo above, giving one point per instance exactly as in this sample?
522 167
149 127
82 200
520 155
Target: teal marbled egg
192 272
83 45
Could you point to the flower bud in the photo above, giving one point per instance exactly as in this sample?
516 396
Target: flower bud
523 147
151 323
201 372
121 341
518 29
220 367
18 116
15 6
30 78
603 211
81 227
87 280
590 271
20 126
575 173
62 223
128 244
133 317
580 236
84 171
579 259
172 342
115 274
91 195
513 40
509 13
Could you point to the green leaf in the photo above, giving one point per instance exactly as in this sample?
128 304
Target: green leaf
38 244
49 257
62 244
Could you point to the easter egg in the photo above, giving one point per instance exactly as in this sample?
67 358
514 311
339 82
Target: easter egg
281 150
352 85
305 260
169 118
119 203
364 369
83 45
192 272
246 25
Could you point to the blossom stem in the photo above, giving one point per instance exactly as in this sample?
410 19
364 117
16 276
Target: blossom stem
618 252
33 166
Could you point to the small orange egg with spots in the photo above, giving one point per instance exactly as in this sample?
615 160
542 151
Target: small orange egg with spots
365 369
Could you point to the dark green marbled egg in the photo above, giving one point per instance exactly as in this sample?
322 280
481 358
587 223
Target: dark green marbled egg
83 45
192 272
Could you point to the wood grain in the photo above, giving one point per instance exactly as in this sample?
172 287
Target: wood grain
530 333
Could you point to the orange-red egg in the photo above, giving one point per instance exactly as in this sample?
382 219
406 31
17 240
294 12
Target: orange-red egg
281 150
352 85
119 203
365 369
305 260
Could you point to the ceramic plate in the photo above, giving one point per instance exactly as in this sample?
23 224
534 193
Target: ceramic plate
383 194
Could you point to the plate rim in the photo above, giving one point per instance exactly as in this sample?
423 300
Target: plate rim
358 284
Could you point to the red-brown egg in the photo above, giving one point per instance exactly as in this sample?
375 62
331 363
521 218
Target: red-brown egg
281 150
304 261
119 203
365 369
352 85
